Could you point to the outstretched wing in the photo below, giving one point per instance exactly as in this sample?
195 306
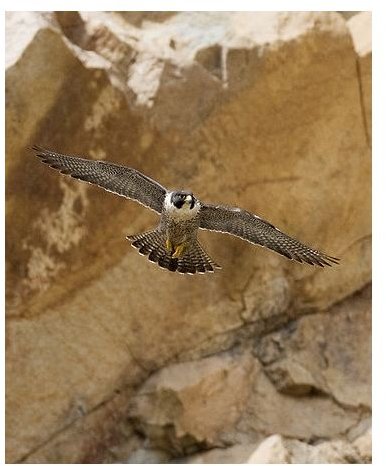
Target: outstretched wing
254 229
117 179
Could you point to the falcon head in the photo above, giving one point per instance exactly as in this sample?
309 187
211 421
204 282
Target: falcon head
182 199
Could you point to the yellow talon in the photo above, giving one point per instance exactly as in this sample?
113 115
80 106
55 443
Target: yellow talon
169 245
178 251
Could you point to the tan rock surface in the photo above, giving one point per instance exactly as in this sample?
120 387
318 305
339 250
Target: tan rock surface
269 412
190 403
276 449
272 450
363 444
320 352
263 111
360 28
309 358
237 454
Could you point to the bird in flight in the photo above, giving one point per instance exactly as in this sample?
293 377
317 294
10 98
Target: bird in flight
173 244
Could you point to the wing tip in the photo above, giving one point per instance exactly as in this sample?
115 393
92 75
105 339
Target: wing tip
330 260
322 260
35 150
317 259
40 152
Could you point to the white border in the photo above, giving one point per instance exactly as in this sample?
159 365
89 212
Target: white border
182 5
2 230
379 236
379 171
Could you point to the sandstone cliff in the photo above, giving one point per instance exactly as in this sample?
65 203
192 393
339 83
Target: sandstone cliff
111 359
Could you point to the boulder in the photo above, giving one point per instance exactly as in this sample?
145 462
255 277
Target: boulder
172 407
276 449
363 444
236 454
308 370
317 354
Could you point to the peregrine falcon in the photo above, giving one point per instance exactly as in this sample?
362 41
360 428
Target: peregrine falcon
173 244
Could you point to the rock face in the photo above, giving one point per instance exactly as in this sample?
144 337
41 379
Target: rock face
179 397
275 449
283 382
109 357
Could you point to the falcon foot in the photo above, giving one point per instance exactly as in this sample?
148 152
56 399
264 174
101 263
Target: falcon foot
179 251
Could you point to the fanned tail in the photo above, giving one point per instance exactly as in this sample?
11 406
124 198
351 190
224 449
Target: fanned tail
153 245
195 260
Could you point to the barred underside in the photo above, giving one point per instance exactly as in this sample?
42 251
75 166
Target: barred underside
153 245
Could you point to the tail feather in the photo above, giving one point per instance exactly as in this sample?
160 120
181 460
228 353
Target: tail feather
196 260
153 245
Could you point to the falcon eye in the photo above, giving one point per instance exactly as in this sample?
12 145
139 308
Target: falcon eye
179 203
178 199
